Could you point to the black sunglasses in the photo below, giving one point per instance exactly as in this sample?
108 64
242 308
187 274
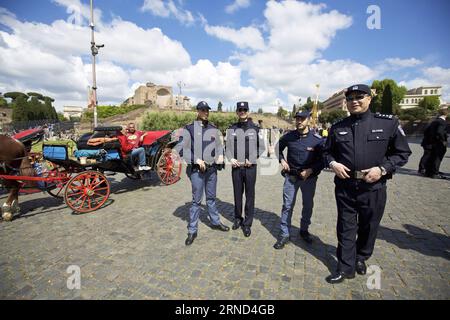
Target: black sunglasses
358 97
242 110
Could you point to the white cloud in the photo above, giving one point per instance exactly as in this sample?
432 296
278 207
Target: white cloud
246 37
55 58
403 63
236 5
166 9
432 76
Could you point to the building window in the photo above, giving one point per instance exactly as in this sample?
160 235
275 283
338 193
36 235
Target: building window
426 91
407 100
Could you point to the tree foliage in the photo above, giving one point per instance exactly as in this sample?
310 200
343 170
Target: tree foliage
386 103
31 106
219 106
109 111
332 116
398 92
430 103
282 113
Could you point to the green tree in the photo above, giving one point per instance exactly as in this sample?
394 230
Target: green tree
19 106
282 113
413 114
294 111
14 95
430 103
398 92
260 111
332 116
61 117
219 106
386 103
3 102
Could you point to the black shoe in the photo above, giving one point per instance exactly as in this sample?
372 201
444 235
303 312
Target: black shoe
361 267
237 224
281 243
190 238
247 231
221 227
339 277
305 235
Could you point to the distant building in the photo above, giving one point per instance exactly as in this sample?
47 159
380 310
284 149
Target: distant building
414 96
335 102
72 111
158 96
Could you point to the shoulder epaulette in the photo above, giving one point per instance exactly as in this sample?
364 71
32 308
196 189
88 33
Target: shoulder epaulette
338 121
384 116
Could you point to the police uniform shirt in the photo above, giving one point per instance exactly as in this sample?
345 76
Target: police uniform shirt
367 140
304 151
252 142
210 141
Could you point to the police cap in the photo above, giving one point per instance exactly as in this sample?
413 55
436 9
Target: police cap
303 114
202 105
358 87
242 105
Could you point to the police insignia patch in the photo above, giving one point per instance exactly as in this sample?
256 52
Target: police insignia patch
401 130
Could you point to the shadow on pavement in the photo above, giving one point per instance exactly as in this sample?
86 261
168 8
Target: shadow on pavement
417 239
270 221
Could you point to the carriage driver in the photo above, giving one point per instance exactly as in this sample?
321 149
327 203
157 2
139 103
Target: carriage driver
135 138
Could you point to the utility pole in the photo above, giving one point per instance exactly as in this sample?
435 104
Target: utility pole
94 51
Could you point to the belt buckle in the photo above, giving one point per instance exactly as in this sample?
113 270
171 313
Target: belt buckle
359 175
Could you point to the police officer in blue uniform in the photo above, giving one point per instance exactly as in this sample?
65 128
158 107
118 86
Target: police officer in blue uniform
301 169
364 151
243 148
201 146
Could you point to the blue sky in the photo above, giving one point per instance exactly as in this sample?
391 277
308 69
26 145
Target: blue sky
260 51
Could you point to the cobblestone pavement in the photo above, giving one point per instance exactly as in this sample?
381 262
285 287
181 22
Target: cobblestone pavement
133 248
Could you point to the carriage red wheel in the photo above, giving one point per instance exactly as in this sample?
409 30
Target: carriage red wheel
56 188
87 191
169 167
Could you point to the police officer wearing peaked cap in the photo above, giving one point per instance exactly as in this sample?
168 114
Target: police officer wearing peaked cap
364 150
244 146
300 169
201 146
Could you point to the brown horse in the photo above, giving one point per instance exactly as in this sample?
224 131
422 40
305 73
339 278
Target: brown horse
13 160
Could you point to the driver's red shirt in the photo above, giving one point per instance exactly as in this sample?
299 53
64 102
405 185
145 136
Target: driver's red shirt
134 138
125 146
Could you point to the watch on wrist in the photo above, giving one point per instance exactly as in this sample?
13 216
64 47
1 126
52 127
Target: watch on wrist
383 170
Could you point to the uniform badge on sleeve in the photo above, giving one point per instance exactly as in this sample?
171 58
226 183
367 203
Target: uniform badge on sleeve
401 130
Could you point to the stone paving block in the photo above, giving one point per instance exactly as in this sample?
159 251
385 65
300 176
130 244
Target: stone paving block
142 255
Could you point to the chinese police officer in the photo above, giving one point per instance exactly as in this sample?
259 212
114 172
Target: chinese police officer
301 169
243 148
364 151
201 146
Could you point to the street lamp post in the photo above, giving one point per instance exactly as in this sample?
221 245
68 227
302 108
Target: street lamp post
94 51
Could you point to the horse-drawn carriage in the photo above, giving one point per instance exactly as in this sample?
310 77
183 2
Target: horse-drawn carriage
81 181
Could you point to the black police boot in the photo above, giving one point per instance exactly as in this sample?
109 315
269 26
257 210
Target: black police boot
361 267
306 236
191 237
247 231
281 243
221 227
237 223
339 277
